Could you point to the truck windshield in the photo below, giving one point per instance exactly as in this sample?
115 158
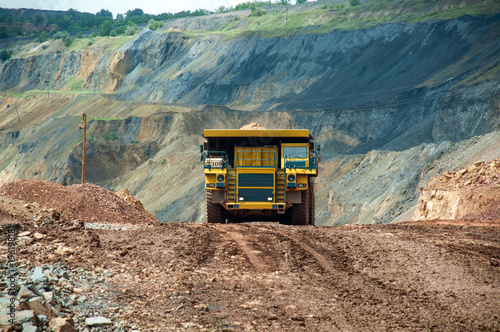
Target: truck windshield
292 152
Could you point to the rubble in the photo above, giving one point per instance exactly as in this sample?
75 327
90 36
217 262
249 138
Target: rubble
76 203
471 193
178 277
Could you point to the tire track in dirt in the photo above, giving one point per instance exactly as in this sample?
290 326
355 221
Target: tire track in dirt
250 245
322 260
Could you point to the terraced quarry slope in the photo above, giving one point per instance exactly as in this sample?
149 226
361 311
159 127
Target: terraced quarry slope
392 105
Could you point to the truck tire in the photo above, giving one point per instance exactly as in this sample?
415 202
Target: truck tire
300 212
312 205
214 210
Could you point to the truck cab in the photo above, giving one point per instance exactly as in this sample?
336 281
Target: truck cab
260 175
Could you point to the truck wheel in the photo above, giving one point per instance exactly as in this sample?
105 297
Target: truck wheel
300 212
214 210
312 205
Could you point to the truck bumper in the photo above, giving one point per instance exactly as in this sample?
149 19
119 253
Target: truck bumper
256 206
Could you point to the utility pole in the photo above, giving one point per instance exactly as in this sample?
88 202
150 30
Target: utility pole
47 82
16 112
84 127
18 115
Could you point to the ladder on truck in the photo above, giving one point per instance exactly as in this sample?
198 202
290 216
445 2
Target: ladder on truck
280 188
231 185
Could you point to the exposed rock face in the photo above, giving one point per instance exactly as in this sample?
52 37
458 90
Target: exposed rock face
397 75
390 105
470 193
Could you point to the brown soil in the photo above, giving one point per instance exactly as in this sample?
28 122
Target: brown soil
80 202
271 277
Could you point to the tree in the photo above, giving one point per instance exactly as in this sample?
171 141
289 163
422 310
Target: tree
256 11
354 3
5 55
104 13
105 28
154 25
68 41
301 1
43 37
61 35
131 29
135 12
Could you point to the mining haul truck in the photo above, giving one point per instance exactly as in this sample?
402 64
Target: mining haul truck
260 175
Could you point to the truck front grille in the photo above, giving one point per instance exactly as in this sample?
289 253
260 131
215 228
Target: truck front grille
255 195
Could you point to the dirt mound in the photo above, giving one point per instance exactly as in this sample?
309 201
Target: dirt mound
80 202
252 126
472 193
125 195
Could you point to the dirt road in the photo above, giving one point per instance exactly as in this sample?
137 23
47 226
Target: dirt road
281 278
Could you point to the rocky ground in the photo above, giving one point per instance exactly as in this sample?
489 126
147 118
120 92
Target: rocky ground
122 275
471 194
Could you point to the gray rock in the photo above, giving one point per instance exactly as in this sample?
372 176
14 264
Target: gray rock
37 274
49 297
24 316
27 327
42 319
5 304
97 321
81 299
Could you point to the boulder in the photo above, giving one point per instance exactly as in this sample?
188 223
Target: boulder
59 324
40 307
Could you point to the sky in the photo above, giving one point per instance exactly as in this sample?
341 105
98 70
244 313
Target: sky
121 6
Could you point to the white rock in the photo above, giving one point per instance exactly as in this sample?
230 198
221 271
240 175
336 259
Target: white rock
97 321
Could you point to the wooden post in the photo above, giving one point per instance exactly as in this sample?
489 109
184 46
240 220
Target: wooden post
84 146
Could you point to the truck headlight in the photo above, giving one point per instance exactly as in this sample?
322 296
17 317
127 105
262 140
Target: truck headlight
291 178
220 177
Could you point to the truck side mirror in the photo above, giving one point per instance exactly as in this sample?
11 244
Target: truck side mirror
201 148
319 147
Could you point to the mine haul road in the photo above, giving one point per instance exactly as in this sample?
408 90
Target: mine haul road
263 276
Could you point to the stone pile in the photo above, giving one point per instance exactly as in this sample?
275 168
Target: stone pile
46 299
479 174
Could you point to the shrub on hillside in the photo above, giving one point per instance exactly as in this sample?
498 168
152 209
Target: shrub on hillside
43 37
154 25
256 11
5 55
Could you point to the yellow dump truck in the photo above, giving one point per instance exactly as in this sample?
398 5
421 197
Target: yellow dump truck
260 175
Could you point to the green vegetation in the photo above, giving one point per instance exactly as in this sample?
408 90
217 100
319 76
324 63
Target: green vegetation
81 30
43 24
108 119
75 84
154 25
110 137
5 55
347 16
32 93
